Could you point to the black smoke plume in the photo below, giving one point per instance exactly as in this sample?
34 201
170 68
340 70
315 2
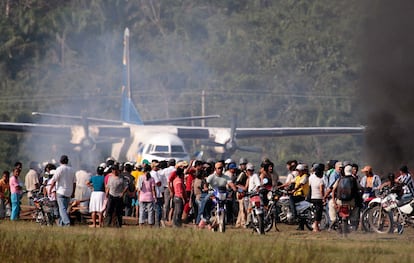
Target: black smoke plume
387 92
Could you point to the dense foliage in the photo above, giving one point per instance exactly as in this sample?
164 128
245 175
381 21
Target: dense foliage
274 63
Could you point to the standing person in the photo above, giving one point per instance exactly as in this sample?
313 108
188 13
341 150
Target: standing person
115 190
180 197
51 194
370 182
4 193
146 197
31 181
346 191
82 191
65 182
241 184
129 182
317 189
96 204
167 193
253 185
333 177
159 189
16 194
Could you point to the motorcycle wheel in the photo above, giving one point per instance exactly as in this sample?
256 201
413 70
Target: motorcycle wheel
345 227
380 220
365 220
221 222
268 222
309 219
260 225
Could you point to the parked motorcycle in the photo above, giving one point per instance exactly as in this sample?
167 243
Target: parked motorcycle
392 214
386 211
344 213
305 211
43 213
256 212
218 213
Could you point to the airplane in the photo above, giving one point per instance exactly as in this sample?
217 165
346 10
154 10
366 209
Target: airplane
134 140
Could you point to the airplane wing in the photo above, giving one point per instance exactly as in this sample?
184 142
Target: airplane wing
47 129
112 131
243 133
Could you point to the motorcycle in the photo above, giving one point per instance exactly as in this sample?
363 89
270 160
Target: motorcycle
43 213
256 212
385 211
305 211
344 213
218 213
392 215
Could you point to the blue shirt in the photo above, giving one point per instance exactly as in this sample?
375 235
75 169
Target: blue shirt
98 183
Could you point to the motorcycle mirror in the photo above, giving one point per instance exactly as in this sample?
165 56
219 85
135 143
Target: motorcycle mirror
265 180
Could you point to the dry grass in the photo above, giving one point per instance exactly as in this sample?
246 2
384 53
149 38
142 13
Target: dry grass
29 242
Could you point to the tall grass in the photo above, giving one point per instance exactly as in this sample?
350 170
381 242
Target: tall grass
29 242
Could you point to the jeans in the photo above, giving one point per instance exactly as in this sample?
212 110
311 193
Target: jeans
293 199
146 211
178 211
63 203
202 207
15 206
158 210
167 204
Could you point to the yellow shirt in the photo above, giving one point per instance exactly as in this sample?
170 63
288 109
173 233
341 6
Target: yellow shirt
136 175
302 185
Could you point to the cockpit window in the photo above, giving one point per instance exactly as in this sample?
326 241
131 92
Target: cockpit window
177 149
161 148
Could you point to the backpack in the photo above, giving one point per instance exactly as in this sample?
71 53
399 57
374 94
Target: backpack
346 190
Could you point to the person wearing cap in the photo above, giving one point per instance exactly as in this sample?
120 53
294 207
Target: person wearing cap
159 189
370 182
65 182
231 207
300 191
253 184
241 184
333 177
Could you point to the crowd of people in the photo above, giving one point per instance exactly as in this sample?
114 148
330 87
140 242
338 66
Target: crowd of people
173 192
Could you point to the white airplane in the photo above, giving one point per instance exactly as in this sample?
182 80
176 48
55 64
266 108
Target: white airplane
134 140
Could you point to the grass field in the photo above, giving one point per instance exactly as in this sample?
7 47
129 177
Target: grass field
25 241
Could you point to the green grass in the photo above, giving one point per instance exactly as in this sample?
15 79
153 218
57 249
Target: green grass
29 242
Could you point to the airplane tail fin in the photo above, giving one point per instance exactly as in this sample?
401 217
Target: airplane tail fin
128 111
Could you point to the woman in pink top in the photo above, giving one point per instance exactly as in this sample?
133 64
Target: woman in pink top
16 194
146 197
179 197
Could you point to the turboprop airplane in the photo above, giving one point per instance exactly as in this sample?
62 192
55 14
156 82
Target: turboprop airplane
133 139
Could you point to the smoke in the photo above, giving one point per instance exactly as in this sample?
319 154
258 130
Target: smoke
387 88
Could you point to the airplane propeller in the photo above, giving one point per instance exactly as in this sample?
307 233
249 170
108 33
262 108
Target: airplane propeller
231 145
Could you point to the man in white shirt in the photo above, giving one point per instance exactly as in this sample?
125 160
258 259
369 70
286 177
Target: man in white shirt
65 182
31 181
